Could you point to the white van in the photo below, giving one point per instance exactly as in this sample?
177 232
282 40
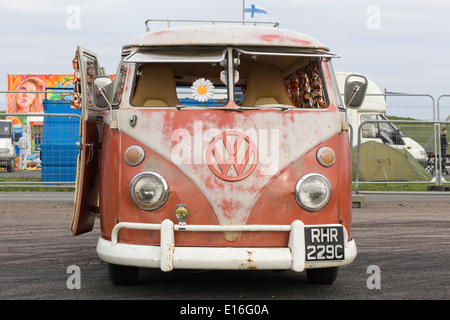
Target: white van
7 148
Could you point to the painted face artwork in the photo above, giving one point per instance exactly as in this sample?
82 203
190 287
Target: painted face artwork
28 94
25 99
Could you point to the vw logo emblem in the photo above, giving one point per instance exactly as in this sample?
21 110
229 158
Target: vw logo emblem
232 155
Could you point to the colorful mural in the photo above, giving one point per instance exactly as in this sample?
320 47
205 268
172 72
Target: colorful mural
24 100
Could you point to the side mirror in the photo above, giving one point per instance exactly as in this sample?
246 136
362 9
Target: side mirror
355 90
103 90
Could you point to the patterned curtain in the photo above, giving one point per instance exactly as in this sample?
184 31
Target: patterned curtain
304 87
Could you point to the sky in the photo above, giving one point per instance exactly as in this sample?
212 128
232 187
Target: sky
403 46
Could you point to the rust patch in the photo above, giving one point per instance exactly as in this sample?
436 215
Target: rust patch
158 33
228 207
275 38
250 254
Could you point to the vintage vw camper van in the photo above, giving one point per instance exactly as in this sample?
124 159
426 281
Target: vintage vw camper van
221 146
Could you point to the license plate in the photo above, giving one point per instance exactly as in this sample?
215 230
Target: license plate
324 243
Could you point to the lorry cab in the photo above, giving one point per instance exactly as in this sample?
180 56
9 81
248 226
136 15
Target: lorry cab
7 146
216 146
374 109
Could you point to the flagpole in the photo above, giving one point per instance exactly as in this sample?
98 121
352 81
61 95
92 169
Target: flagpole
243 11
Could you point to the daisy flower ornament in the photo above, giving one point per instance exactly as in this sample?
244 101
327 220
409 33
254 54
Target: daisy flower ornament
202 90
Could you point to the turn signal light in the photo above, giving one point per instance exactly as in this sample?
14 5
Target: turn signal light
134 155
326 156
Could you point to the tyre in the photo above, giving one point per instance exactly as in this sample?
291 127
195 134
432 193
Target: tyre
11 166
123 275
322 275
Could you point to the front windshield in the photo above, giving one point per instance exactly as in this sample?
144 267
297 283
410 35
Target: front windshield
5 129
386 131
280 79
259 80
185 78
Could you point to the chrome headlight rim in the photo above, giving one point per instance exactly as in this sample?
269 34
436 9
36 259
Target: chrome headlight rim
322 204
161 201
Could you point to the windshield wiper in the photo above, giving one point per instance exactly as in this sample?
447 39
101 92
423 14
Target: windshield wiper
234 109
240 109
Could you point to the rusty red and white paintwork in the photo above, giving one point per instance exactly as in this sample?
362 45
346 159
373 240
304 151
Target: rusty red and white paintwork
226 35
182 145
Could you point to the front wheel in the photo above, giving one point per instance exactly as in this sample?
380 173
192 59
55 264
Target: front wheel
322 275
11 166
122 275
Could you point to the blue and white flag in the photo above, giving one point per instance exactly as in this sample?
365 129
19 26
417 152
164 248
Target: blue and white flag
255 12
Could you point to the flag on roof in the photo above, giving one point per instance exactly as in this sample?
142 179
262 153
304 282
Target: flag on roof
255 12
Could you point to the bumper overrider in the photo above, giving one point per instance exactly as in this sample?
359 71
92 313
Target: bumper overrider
319 246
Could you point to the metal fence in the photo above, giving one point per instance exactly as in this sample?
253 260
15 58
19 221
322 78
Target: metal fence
409 106
408 153
39 149
388 160
405 147
443 108
48 158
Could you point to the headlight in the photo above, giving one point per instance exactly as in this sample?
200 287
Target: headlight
313 191
149 190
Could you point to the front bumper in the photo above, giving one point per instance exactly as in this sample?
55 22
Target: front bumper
168 257
6 158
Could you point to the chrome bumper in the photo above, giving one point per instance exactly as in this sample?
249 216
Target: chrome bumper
167 256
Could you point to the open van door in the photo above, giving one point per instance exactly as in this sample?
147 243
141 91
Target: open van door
87 180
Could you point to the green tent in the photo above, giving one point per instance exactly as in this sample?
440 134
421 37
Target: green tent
381 162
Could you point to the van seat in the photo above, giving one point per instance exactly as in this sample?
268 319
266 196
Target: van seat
265 86
156 88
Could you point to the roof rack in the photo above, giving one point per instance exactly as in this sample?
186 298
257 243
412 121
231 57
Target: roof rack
147 28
